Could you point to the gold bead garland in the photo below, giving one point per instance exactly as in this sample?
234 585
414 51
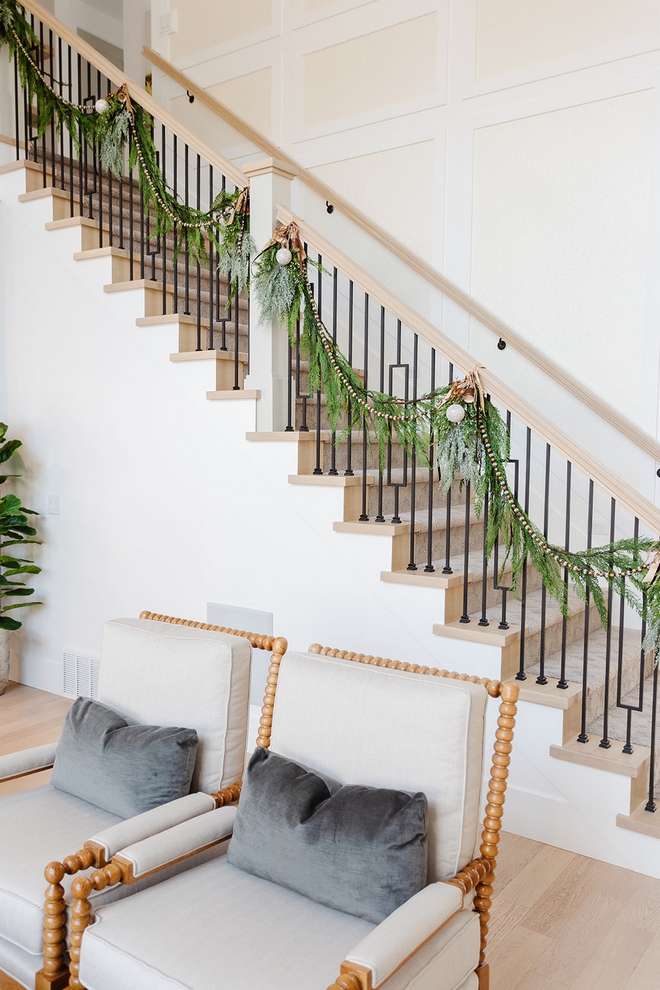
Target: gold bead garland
62 99
506 491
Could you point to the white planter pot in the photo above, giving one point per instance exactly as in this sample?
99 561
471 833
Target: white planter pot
4 659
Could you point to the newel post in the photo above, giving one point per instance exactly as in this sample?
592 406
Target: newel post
270 186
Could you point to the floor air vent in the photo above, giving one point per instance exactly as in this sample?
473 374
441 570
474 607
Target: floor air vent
80 674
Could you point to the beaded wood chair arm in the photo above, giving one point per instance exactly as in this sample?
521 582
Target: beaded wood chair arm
480 873
55 974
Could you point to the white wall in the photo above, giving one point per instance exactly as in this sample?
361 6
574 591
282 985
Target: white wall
512 143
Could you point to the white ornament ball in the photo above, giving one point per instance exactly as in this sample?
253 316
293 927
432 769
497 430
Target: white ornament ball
455 413
283 256
101 106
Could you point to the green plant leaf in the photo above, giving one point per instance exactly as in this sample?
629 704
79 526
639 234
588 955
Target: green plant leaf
8 449
7 623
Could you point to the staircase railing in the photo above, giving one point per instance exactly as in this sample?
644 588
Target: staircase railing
573 499
191 291
506 333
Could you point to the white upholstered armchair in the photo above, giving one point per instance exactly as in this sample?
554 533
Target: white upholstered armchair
154 670
286 910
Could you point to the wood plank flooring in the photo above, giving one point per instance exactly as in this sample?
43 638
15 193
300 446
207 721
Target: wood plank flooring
559 921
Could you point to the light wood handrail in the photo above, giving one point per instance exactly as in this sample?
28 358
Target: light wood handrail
466 302
163 116
624 493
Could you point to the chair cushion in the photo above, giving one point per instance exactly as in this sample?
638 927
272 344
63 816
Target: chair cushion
125 769
217 926
37 826
361 850
349 720
144 664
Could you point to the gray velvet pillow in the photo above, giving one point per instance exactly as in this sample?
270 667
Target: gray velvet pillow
124 769
361 850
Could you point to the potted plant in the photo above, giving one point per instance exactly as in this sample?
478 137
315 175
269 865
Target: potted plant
14 531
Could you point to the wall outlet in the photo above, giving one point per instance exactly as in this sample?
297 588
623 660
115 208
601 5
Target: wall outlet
54 505
168 22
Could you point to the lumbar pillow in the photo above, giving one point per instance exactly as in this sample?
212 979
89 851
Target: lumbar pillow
361 850
124 769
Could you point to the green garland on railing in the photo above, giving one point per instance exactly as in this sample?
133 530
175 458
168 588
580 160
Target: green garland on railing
458 427
122 130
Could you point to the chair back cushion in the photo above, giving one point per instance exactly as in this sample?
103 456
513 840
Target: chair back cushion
382 727
159 673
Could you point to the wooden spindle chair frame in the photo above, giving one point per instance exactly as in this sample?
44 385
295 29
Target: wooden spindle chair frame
478 875
55 974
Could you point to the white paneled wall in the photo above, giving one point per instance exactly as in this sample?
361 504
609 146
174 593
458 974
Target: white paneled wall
512 143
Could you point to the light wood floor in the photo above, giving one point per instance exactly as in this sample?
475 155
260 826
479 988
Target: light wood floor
559 921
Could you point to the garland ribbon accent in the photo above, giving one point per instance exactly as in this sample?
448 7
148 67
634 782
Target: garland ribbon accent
458 427
123 132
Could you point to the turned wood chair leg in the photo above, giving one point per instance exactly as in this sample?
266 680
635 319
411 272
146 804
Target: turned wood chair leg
55 974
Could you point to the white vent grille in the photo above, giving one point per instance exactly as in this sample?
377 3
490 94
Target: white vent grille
80 674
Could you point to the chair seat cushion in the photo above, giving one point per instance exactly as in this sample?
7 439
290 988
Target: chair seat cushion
357 849
125 769
216 926
37 826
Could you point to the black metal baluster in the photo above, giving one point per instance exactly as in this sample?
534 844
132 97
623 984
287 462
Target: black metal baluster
82 153
542 679
98 169
583 737
628 747
211 198
318 468
466 554
396 518
521 675
41 62
70 88
349 440
364 517
483 620
650 804
289 423
131 213
199 267
429 568
186 199
333 436
237 316
379 514
447 569
412 564
175 231
562 682
17 112
163 236
605 742
503 623
60 67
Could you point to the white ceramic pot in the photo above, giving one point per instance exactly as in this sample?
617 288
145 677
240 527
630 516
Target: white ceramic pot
4 659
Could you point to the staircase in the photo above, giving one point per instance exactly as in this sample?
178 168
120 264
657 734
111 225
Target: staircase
587 756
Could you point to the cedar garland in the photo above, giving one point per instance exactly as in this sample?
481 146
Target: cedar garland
474 450
124 135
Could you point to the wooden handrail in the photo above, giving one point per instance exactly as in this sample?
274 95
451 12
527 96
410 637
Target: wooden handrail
466 302
624 493
163 116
